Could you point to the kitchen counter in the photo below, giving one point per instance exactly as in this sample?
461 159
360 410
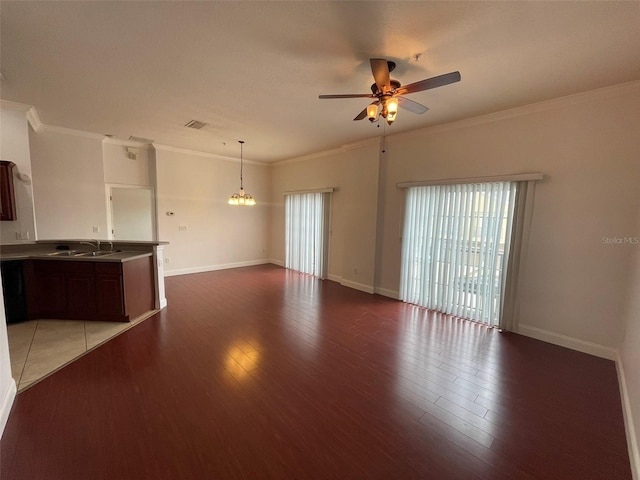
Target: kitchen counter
123 256
110 257
115 287
47 254
14 256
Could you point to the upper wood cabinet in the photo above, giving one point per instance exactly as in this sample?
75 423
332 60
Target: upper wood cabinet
7 194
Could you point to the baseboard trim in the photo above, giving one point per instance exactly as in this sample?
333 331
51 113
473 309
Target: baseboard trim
211 268
7 403
280 263
387 293
357 286
627 415
334 278
163 303
568 342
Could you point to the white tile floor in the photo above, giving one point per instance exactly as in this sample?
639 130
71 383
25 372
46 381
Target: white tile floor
40 347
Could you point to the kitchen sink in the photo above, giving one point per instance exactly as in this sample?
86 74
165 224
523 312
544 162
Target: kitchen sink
63 253
98 253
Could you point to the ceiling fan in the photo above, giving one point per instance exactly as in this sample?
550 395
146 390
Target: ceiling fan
388 92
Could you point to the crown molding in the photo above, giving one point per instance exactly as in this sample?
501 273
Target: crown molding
30 112
359 144
325 153
196 153
127 143
71 131
34 119
573 99
546 105
9 105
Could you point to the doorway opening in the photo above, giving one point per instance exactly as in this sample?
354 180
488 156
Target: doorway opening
131 213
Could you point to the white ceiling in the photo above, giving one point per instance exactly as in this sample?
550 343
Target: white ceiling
254 70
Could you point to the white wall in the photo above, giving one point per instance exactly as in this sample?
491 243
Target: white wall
354 172
68 181
630 351
588 148
216 235
120 169
14 146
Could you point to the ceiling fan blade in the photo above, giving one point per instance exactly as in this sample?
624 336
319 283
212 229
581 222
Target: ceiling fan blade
433 82
363 113
412 106
380 70
347 95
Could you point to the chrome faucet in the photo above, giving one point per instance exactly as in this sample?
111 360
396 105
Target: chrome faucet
96 246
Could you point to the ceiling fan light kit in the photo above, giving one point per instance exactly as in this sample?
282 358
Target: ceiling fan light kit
372 112
388 92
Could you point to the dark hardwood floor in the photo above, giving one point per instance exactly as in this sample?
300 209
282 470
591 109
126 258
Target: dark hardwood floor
261 373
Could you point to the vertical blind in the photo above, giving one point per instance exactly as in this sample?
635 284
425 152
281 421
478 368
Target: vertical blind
456 247
306 224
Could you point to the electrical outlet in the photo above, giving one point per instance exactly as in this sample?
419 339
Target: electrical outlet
166 260
96 229
22 235
182 228
355 270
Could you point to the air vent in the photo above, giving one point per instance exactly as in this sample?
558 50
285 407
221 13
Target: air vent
141 140
196 124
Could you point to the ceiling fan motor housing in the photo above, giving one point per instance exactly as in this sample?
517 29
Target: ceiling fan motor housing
395 84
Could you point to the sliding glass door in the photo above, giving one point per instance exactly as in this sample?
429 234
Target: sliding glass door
306 238
456 248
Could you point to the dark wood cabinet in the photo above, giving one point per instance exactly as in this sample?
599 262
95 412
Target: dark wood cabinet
138 276
109 291
60 289
50 300
79 290
81 302
7 193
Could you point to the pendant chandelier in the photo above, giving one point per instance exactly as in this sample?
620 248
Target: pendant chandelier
242 197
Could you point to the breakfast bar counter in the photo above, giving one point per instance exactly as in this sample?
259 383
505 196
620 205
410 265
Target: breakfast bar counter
89 279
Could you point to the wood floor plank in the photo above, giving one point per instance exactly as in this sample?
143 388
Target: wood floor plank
264 373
